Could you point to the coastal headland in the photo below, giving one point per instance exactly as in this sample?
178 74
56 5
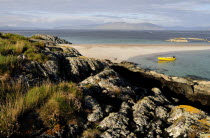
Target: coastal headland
49 89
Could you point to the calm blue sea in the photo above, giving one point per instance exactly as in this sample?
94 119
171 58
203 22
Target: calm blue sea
188 64
119 37
193 64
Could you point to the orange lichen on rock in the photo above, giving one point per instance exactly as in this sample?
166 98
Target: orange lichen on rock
204 122
190 109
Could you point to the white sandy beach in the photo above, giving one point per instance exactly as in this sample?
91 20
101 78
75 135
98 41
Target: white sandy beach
120 52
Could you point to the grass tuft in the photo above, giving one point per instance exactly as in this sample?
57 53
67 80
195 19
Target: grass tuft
51 101
8 63
62 104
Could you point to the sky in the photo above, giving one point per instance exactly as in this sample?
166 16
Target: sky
58 13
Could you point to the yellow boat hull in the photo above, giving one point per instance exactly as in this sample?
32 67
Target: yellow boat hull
166 58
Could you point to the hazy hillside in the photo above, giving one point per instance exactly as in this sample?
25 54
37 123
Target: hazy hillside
129 26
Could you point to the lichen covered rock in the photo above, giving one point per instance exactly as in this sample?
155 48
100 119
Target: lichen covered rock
51 38
188 121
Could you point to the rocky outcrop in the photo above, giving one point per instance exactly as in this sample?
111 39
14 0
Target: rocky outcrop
150 114
119 100
51 38
192 90
116 125
66 51
187 121
79 68
64 63
92 104
112 84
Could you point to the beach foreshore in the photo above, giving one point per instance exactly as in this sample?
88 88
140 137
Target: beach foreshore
121 52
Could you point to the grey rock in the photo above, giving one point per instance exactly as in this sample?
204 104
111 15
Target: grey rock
74 131
108 108
66 51
97 113
150 115
193 90
116 125
114 120
186 121
53 39
161 112
125 108
116 133
81 68
111 83
90 102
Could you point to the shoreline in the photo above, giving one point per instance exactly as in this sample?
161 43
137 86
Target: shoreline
123 52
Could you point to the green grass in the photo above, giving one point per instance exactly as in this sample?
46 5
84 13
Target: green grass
36 37
14 36
52 102
40 57
8 63
13 45
62 104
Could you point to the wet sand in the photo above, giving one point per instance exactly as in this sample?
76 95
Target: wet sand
120 52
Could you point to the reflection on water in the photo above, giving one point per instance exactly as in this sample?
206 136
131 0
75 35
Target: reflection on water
162 61
194 64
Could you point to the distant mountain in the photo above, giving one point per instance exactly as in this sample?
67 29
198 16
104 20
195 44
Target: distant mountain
108 26
128 26
115 26
206 28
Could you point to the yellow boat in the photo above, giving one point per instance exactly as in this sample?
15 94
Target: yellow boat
166 58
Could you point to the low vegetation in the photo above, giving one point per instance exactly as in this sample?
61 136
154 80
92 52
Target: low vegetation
36 37
52 102
13 45
62 104
8 63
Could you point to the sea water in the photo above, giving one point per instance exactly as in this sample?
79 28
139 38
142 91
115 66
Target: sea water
119 37
193 64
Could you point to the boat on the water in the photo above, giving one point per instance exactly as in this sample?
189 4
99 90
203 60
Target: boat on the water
167 58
